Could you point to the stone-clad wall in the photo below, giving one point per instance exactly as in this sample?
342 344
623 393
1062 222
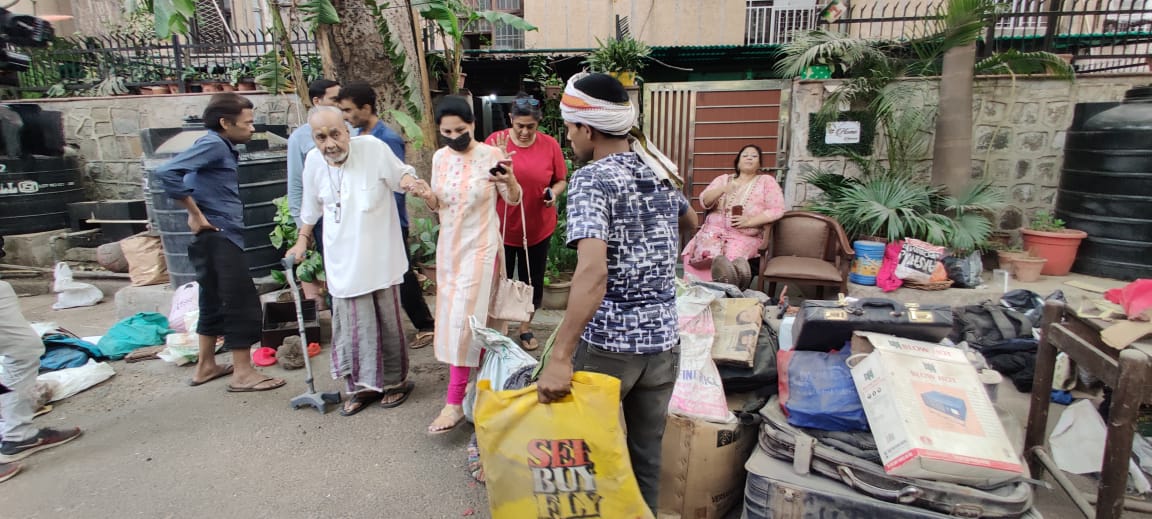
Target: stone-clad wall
1018 135
106 131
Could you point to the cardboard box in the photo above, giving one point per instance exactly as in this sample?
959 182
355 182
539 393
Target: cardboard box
702 467
929 413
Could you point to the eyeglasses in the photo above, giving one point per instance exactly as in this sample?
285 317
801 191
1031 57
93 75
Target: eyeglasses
527 101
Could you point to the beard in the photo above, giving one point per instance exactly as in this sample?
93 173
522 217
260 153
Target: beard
337 157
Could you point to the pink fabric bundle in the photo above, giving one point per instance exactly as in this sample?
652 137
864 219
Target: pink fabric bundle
1135 297
886 278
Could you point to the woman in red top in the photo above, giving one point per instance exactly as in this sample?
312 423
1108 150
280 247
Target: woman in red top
539 168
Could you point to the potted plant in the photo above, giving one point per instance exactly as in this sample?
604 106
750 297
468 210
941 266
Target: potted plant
1027 268
310 271
240 75
422 246
622 59
1047 237
561 261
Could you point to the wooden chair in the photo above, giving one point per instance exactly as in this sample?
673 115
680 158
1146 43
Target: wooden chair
806 248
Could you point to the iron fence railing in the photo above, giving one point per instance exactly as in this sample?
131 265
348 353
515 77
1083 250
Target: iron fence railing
75 66
1097 35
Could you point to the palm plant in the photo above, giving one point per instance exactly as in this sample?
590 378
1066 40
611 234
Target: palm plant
944 45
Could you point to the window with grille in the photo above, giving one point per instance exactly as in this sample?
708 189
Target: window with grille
773 22
1018 14
212 26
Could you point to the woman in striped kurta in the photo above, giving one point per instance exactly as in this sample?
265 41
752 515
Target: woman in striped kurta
469 247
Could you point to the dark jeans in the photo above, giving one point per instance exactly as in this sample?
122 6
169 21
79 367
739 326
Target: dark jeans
646 383
412 296
517 260
229 304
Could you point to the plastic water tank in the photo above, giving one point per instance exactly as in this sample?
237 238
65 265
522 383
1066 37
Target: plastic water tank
262 177
1106 188
35 193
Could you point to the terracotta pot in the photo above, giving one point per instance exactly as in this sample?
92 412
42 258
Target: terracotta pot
173 89
209 87
556 295
153 90
1005 258
246 86
1028 269
553 91
1058 247
226 87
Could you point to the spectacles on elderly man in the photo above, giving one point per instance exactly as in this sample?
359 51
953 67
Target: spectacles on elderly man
527 101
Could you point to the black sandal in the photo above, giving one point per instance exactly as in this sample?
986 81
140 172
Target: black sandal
404 391
359 401
526 342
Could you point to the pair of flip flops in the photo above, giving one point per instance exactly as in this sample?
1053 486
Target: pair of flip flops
359 401
526 342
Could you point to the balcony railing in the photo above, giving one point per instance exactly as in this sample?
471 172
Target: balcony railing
773 23
1100 35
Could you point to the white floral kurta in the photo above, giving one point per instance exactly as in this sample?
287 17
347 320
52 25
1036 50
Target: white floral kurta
468 249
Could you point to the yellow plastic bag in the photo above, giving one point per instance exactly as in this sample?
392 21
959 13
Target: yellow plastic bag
567 459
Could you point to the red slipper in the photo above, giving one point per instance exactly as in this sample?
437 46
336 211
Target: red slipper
313 349
264 357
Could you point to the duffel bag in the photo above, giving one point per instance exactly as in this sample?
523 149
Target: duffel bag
1009 500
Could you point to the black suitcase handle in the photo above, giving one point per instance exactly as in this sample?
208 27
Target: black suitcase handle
897 307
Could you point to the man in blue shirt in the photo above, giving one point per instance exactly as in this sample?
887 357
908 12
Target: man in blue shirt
621 318
204 180
358 102
323 93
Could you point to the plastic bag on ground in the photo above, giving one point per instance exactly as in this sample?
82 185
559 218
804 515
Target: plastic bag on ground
698 392
965 271
68 382
564 459
502 358
186 299
71 294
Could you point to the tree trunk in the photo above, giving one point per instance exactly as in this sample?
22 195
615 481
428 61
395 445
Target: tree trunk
353 50
952 147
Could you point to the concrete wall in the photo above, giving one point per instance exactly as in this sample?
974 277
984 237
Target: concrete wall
568 24
1018 141
106 131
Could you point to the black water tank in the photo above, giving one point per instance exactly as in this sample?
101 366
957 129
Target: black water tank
1106 188
35 193
263 177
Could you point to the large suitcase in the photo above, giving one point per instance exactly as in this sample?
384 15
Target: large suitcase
845 463
775 491
827 325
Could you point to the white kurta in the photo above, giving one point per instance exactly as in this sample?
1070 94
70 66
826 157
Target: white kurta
363 246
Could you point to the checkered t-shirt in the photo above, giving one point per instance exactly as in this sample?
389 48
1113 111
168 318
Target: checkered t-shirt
618 199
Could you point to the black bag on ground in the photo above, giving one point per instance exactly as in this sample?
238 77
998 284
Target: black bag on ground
826 325
1009 500
761 377
988 324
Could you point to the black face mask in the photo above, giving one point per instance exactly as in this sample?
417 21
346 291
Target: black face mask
460 143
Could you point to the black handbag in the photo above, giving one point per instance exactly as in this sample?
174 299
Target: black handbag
827 325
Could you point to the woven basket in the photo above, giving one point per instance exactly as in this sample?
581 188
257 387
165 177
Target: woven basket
931 285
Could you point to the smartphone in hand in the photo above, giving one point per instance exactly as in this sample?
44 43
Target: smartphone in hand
737 210
498 170
548 194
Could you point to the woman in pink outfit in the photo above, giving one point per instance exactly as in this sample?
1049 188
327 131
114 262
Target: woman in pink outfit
739 206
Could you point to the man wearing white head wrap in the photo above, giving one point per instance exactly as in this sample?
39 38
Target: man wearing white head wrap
621 316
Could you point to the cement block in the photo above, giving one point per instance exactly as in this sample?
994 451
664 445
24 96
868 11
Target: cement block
80 254
133 300
41 249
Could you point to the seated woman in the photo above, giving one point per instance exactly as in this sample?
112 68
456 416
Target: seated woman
739 205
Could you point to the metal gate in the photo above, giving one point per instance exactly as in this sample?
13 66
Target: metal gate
702 125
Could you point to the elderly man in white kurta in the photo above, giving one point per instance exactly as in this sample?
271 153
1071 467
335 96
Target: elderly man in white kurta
349 181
